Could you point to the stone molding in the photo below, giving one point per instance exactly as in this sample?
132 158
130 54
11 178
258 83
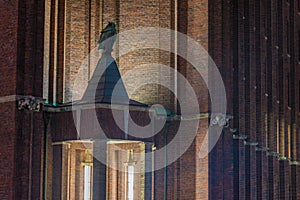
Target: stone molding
29 103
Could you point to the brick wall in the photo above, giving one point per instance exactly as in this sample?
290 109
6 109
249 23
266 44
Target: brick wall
21 74
78 36
254 44
8 57
117 174
70 42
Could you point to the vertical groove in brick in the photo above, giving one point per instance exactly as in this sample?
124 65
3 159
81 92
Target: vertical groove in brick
269 93
236 100
60 51
248 30
52 50
280 79
281 180
57 172
274 99
270 177
263 108
286 78
215 47
38 157
276 178
287 94
297 90
293 191
292 95
269 73
258 115
148 175
259 194
228 63
287 180
293 79
99 171
242 112
298 184
253 98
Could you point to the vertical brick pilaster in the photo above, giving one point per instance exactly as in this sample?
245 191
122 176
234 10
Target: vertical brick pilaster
215 49
293 191
149 172
99 170
298 184
241 77
57 172
228 74
287 180
263 108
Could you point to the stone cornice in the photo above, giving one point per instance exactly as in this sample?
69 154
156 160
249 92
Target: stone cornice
30 103
24 102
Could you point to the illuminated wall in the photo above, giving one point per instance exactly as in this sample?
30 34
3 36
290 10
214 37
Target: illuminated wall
73 171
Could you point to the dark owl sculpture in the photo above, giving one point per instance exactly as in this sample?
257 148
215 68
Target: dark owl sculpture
107 37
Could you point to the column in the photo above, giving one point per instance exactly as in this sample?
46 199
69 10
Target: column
148 171
99 173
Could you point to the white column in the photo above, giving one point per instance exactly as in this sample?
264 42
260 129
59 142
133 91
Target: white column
87 183
130 182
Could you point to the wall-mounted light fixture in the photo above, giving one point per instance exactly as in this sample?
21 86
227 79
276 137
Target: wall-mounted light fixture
284 158
273 153
87 170
260 148
239 137
248 143
295 163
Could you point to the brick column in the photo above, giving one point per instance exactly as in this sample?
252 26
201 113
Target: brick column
21 74
99 171
57 172
148 169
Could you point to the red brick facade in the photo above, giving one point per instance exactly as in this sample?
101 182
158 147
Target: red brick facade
21 74
255 45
